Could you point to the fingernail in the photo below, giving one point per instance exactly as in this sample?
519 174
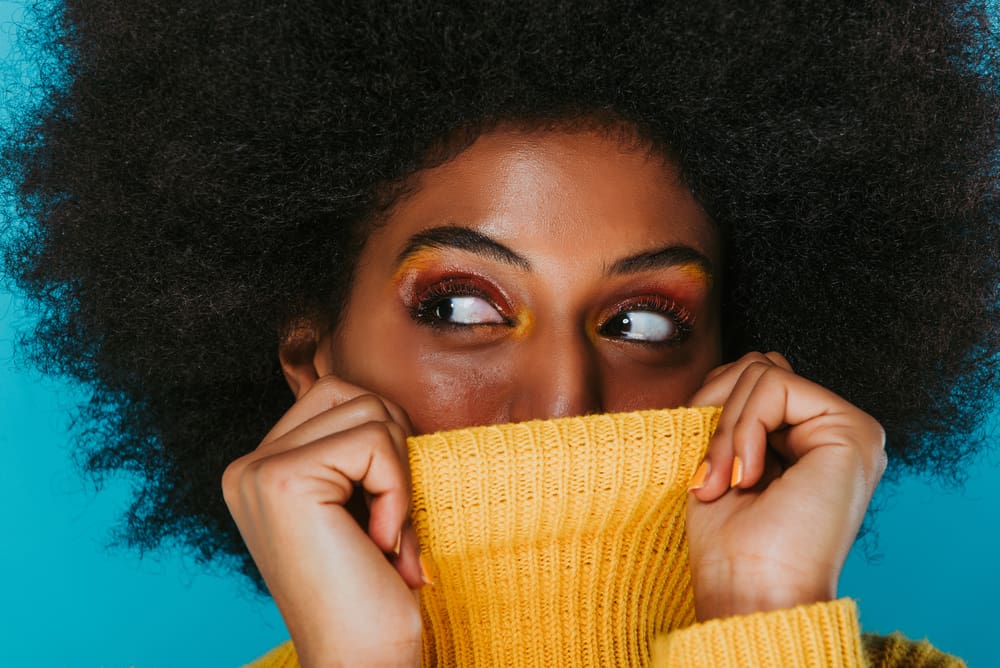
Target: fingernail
423 572
737 476
698 481
399 541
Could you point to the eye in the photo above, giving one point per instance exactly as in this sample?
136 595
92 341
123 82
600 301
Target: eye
652 321
459 303
640 326
463 310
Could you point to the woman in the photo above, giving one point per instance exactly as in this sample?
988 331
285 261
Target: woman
530 305
444 217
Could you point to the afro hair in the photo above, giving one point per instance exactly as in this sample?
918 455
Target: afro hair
196 175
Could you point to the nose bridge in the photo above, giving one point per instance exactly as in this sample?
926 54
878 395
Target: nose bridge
558 376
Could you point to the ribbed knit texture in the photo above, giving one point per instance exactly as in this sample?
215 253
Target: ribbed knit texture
557 542
562 543
824 634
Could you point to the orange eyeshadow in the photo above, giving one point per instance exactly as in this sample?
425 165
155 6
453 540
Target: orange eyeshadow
525 322
694 271
417 261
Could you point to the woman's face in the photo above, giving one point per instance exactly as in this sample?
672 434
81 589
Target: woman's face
534 275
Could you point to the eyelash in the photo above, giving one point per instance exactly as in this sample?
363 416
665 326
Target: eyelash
661 305
430 298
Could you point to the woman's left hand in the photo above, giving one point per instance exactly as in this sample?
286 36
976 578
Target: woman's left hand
790 472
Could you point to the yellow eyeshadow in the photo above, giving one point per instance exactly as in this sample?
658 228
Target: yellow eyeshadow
416 261
525 322
694 271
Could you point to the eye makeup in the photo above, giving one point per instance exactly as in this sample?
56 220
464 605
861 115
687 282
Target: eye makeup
693 271
651 301
433 296
615 322
524 323
413 264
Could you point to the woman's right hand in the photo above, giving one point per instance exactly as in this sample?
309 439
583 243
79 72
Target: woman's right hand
342 599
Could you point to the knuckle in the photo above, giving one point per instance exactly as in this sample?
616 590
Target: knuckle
331 389
755 356
376 433
881 462
755 363
248 477
868 449
716 372
371 405
775 357
879 434
231 480
324 384
772 376
270 476
879 456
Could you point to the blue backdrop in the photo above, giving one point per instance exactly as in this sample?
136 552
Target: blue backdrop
69 600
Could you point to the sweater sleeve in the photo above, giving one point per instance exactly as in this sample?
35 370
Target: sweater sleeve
807 636
722 645
282 656
820 635
895 650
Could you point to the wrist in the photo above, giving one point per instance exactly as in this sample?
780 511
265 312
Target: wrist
725 591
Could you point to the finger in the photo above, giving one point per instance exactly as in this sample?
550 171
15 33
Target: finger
815 418
351 413
784 400
718 385
407 562
724 470
718 371
326 393
325 471
779 360
775 357
749 438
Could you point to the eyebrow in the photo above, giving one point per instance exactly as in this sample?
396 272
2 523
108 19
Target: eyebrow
467 239
663 258
462 238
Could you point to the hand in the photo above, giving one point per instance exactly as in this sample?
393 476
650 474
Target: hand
341 597
790 473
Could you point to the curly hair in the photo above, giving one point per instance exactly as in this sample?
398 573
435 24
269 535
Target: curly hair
198 174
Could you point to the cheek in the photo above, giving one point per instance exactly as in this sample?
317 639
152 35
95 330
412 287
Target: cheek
645 388
437 391
456 395
629 386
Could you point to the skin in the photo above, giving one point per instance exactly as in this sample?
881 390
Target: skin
496 292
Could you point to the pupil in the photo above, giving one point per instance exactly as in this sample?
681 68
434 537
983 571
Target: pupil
444 310
625 324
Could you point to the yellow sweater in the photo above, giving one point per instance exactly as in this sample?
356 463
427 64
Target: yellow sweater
561 543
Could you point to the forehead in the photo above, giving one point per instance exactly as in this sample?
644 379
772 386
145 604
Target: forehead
545 191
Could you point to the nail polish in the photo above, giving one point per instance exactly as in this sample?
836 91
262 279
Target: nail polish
698 481
737 476
423 572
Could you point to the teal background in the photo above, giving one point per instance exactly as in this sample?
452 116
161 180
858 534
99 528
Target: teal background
70 600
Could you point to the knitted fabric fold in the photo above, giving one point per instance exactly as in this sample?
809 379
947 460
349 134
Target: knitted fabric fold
562 543
556 542
821 634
